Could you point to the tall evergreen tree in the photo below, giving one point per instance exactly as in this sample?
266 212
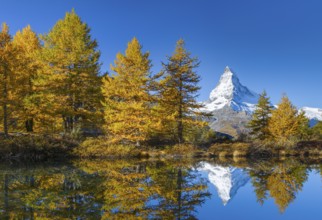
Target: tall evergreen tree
7 77
127 96
70 81
317 131
27 45
285 123
178 92
260 118
305 132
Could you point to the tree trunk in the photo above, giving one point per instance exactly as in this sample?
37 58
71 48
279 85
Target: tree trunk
29 124
180 116
180 130
5 120
5 108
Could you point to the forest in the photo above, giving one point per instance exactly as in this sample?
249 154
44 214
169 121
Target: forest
55 99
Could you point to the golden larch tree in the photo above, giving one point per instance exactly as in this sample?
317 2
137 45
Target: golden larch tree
70 82
179 88
27 45
7 78
127 103
285 123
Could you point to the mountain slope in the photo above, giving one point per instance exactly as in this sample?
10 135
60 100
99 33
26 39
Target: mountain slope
232 105
314 114
230 92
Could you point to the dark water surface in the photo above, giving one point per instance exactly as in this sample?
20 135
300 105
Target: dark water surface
156 189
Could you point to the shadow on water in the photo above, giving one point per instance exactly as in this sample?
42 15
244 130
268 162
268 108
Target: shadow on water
168 189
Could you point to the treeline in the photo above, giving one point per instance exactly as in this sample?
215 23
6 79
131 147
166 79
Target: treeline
284 125
53 84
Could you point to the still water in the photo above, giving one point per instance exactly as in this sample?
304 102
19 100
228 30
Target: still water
161 189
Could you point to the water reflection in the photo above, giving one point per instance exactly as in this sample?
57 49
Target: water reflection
141 189
226 179
281 182
102 189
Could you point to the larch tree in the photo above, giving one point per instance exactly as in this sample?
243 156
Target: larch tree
70 82
7 77
285 123
127 97
178 92
27 45
260 118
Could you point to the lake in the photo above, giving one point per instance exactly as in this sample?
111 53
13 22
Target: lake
161 189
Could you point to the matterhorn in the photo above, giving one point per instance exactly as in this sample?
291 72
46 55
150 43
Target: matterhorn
231 93
232 104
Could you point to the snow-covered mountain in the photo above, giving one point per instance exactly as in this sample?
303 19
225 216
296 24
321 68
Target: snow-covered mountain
232 105
230 92
314 114
227 180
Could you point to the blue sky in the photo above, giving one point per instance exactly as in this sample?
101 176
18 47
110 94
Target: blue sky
271 44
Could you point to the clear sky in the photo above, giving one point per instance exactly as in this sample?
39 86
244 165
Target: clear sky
271 44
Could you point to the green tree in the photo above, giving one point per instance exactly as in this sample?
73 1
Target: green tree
317 131
128 110
260 118
70 82
179 88
305 133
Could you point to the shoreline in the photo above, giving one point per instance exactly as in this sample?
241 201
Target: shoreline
38 148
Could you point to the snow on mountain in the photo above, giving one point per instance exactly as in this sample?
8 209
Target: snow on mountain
230 92
232 105
314 114
227 180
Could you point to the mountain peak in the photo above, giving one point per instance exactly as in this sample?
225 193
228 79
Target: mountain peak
230 92
227 70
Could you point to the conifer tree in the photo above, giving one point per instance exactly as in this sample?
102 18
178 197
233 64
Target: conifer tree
70 82
27 45
317 131
178 92
260 118
285 123
127 96
7 77
304 127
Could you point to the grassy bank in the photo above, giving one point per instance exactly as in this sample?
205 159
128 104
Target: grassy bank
256 150
36 147
99 148
39 147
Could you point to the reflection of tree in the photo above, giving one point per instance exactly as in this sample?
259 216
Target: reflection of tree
260 184
180 190
281 181
125 189
159 190
101 189
47 193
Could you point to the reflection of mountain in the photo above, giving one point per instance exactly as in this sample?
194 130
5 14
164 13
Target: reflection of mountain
227 180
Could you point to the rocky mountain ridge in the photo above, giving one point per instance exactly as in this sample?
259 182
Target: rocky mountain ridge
232 105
